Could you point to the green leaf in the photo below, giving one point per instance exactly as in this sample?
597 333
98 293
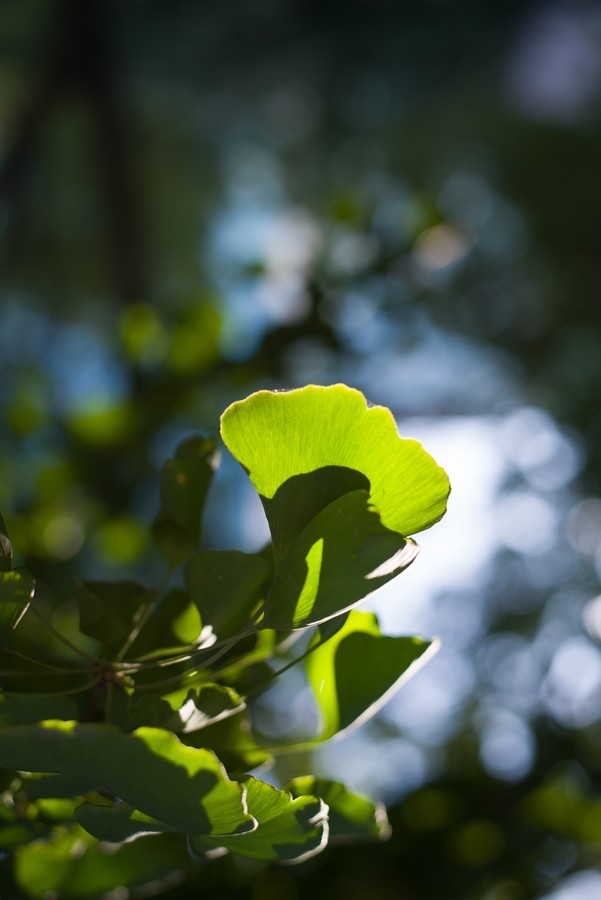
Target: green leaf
109 611
175 623
231 739
341 556
72 864
227 586
59 786
6 549
351 816
279 436
185 481
16 591
29 710
355 672
118 823
289 830
150 769
182 712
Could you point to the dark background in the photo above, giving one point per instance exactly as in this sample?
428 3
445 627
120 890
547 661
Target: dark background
198 200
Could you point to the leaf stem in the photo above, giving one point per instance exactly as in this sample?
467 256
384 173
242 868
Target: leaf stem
225 646
147 610
44 664
61 637
65 693
289 665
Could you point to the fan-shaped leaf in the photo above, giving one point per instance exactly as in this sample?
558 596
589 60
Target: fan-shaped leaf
279 436
109 611
289 829
341 556
358 669
150 769
227 585
185 480
351 816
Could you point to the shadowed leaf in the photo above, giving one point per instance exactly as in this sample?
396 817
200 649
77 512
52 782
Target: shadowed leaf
108 611
351 816
226 586
341 556
73 864
6 550
150 769
16 591
185 480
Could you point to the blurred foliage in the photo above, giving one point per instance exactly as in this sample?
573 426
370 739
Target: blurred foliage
197 201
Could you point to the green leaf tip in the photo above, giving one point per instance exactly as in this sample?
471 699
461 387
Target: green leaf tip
279 435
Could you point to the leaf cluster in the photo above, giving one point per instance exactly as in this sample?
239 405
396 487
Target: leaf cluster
136 731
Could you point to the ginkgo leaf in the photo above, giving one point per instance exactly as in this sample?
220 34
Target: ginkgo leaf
227 585
343 554
355 672
289 829
350 815
185 481
282 436
150 769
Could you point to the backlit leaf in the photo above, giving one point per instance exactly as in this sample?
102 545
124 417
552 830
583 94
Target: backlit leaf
280 436
289 829
355 672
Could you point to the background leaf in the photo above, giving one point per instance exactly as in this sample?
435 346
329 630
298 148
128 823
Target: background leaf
73 864
185 481
232 740
174 623
182 712
6 550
